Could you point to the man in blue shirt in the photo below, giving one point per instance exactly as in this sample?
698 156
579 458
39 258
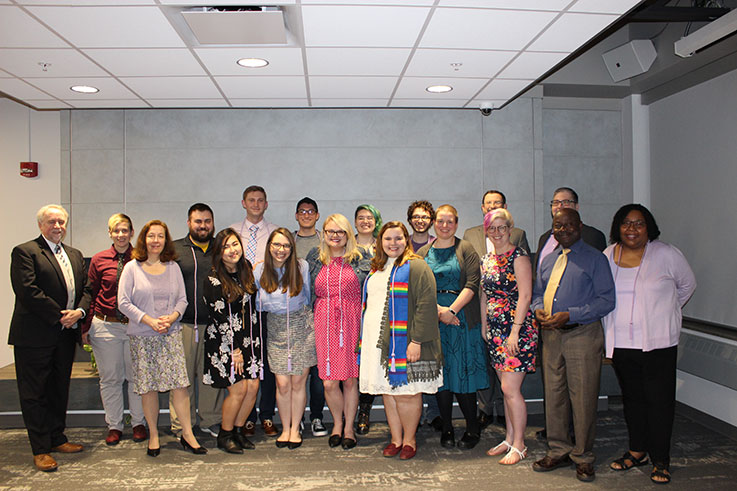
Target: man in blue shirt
573 342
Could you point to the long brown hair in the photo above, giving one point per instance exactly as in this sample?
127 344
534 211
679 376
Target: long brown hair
379 260
244 271
168 253
291 280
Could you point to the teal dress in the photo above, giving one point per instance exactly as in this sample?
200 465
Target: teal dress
464 367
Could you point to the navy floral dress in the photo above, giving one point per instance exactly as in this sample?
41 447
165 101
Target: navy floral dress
500 285
230 326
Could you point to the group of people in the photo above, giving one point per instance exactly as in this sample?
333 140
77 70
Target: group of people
214 319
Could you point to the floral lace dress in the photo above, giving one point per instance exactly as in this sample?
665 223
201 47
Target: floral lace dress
500 285
230 327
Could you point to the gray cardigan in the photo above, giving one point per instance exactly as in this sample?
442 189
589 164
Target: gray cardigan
470 264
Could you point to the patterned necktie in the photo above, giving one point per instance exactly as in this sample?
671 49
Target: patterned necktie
68 274
558 268
251 246
121 262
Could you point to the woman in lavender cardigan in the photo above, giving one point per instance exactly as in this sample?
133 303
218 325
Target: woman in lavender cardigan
151 294
653 281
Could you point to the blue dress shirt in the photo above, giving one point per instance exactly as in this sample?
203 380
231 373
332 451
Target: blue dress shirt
276 301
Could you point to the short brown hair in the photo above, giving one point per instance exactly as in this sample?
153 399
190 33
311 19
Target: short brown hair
140 253
423 204
254 188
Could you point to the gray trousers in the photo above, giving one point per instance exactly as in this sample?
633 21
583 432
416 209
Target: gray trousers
111 347
572 363
206 399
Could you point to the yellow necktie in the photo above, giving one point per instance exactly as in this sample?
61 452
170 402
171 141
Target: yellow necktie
558 268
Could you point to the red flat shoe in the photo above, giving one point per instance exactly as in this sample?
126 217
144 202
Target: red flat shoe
407 452
391 450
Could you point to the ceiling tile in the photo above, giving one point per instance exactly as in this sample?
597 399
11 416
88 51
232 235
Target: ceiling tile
532 65
267 87
477 103
474 63
20 30
352 87
356 61
85 2
172 87
414 88
350 102
108 103
428 103
61 63
59 87
50 104
372 2
604 6
21 90
206 3
269 102
222 61
147 62
111 27
362 26
188 102
571 31
503 89
484 29
556 5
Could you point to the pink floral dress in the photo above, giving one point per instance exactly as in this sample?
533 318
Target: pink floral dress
500 285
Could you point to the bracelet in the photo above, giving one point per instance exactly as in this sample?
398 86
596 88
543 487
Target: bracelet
452 311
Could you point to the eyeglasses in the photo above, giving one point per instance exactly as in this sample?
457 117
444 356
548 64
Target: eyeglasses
285 247
306 212
337 233
637 224
562 202
421 217
501 228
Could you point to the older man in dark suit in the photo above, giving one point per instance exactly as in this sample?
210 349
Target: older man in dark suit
52 294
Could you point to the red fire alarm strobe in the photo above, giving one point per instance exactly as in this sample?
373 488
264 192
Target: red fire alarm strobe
29 169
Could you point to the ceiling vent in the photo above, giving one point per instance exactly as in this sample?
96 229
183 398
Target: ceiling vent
237 25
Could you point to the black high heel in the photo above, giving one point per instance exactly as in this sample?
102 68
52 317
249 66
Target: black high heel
187 446
153 452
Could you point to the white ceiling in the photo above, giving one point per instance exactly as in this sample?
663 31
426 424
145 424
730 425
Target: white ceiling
339 53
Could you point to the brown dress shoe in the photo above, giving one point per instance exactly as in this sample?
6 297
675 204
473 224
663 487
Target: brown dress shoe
269 427
113 437
140 433
45 462
548 463
585 472
68 447
249 429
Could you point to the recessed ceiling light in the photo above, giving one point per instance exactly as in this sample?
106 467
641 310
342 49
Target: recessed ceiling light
84 89
252 62
439 89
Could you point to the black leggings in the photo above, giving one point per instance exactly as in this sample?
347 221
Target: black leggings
467 403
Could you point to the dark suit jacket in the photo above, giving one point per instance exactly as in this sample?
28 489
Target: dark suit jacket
477 238
590 235
41 293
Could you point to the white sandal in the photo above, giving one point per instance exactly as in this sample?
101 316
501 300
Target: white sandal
521 453
492 452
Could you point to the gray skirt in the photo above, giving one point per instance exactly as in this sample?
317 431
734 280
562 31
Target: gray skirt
158 363
297 339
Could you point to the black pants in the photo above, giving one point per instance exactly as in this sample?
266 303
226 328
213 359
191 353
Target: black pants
267 388
648 382
43 377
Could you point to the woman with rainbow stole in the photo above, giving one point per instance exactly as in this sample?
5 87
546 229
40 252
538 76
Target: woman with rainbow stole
399 352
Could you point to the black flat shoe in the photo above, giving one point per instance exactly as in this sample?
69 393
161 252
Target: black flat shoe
281 444
187 446
334 440
153 452
293 445
468 441
348 443
447 439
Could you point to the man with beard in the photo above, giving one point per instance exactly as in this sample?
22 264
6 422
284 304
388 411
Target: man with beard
573 290
195 259
420 216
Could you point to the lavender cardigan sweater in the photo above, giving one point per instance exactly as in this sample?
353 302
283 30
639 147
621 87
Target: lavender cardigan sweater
135 297
664 285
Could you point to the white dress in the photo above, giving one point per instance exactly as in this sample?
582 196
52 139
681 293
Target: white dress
372 379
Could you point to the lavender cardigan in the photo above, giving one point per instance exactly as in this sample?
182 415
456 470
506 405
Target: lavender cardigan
664 284
135 298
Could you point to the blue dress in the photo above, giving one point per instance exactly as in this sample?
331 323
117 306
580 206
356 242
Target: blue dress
464 365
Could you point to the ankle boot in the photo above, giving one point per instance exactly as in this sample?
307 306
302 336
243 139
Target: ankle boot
239 435
227 442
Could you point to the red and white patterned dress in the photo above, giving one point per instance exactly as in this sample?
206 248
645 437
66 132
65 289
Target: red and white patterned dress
337 320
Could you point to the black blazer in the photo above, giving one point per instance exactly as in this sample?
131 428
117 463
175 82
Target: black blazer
41 293
590 235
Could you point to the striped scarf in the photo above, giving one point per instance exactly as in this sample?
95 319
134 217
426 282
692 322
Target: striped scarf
394 353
